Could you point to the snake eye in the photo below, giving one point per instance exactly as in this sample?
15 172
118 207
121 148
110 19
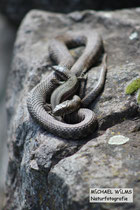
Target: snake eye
61 71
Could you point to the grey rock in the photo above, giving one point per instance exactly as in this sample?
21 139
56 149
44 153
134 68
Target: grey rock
7 35
46 172
97 164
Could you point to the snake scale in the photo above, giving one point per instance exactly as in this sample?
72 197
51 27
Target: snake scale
41 93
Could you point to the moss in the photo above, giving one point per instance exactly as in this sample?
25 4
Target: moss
138 96
133 86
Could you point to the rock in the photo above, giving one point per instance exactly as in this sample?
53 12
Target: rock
15 10
7 35
96 164
46 172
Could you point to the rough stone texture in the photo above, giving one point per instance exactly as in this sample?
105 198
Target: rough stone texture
16 9
46 172
6 43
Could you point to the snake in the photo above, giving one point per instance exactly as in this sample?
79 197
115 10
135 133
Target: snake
37 97
69 88
65 90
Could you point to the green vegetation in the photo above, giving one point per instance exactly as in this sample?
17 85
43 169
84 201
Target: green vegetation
138 96
133 86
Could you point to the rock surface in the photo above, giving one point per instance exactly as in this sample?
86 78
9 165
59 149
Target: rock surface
7 35
15 10
46 172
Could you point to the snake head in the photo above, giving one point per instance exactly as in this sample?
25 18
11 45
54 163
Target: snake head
62 72
67 106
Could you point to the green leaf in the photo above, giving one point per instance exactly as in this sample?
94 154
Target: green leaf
133 86
138 96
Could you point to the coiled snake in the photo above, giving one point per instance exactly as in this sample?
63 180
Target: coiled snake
41 93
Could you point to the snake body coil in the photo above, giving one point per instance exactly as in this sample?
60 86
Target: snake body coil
36 101
41 93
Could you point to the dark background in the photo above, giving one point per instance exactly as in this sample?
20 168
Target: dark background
16 9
